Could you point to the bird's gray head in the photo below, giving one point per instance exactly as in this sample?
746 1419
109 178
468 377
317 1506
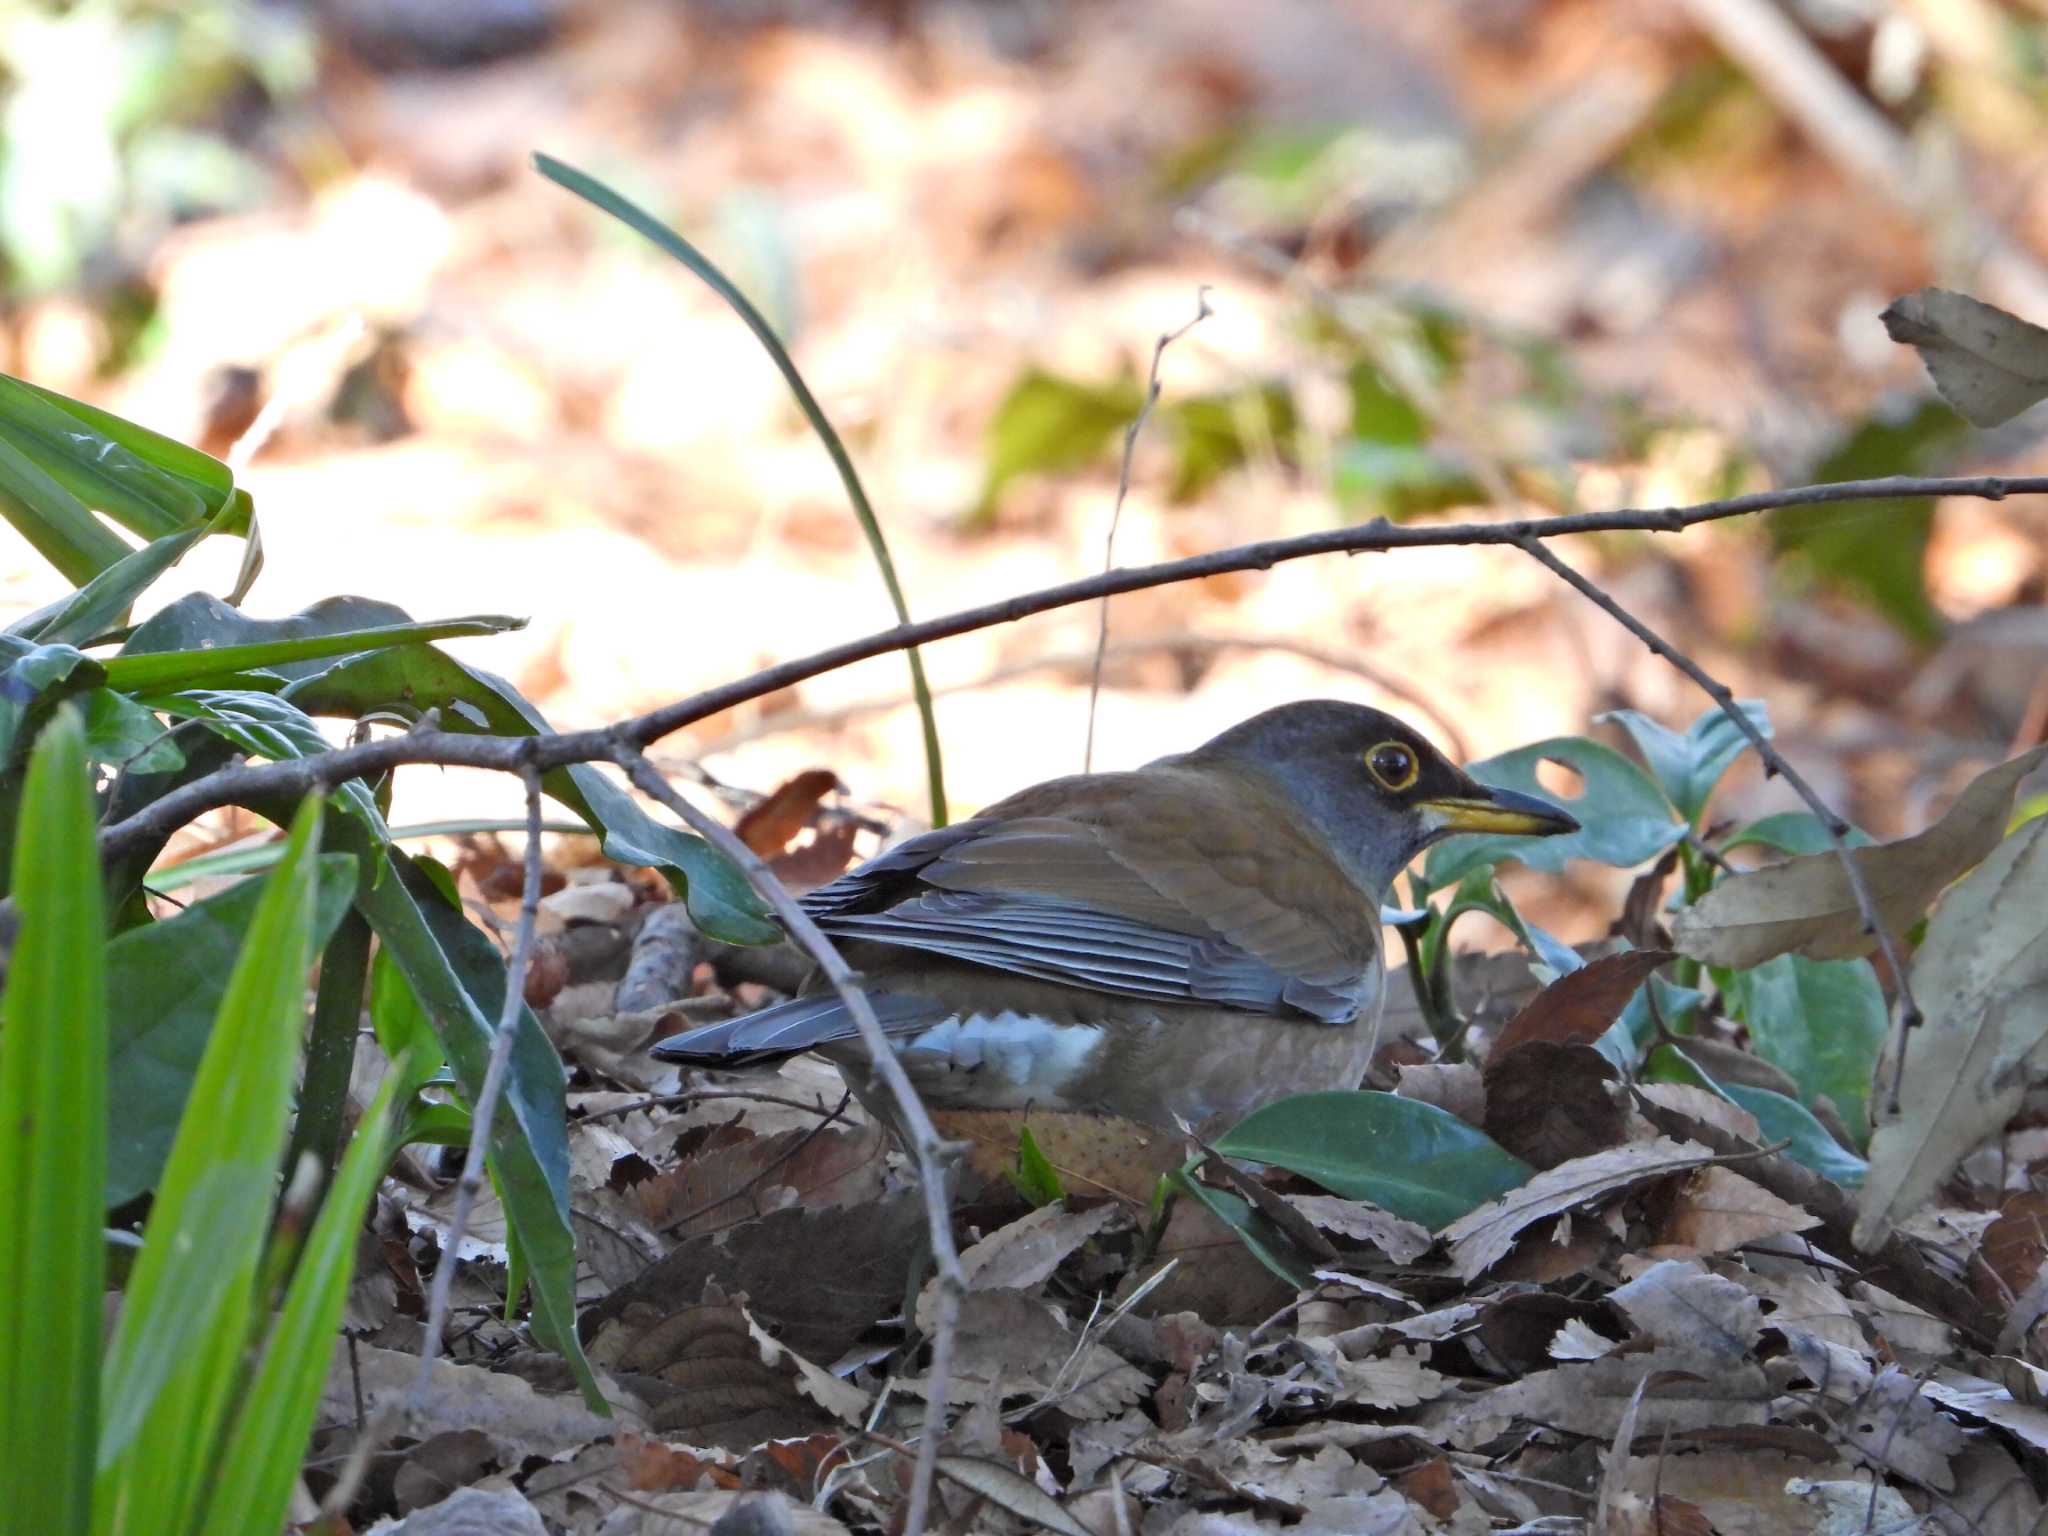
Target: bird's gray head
1372 786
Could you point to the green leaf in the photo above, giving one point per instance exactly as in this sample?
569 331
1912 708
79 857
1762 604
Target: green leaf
402 1025
1624 818
418 678
123 734
1381 412
53 1111
1034 1177
267 726
1822 1022
1411 1158
165 985
59 526
162 468
1792 832
1787 1120
1688 767
201 622
646 225
1401 480
1779 1118
1876 550
1047 424
459 977
1216 433
136 673
170 1371
33 676
260 1462
103 603
1266 1242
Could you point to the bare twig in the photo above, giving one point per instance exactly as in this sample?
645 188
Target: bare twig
298 776
1116 511
485 1110
929 1152
1774 763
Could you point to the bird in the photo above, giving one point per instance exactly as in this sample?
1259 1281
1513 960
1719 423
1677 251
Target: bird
1175 944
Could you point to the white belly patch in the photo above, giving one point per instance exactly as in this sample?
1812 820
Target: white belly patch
1018 1059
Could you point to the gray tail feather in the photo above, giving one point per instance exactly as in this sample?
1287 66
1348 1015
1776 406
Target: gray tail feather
787 1029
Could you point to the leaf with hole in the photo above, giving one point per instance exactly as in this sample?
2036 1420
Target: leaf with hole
1688 766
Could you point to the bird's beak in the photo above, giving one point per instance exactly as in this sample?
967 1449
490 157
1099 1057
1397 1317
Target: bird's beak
1497 810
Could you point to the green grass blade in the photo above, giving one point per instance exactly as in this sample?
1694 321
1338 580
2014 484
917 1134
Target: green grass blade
53 1113
172 1366
252 1486
61 528
644 223
180 669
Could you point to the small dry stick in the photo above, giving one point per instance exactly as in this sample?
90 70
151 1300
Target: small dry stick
926 1147
1774 762
1116 512
485 1110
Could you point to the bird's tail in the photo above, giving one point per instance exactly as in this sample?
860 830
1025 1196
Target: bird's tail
787 1029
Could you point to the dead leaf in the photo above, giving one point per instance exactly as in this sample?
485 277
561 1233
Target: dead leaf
1576 1008
1481 1238
1982 977
1717 1211
1023 1253
1402 1241
1093 1154
1804 905
2010 1253
772 824
1548 1103
1988 364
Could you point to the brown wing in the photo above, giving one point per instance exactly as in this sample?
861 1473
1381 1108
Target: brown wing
1161 883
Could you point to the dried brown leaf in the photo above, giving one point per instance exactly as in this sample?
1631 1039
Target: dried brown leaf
1982 976
1989 364
1577 1008
1805 906
1717 1210
772 823
1480 1238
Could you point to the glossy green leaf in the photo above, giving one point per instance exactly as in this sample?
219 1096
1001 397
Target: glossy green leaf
165 985
136 673
170 1371
53 1111
1624 818
459 977
260 1462
1787 1120
1265 1241
641 222
1034 1177
1418 1161
201 622
417 678
1792 832
1688 766
57 525
1822 1022
34 676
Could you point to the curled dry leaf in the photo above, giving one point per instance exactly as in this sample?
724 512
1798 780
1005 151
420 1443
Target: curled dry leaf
1982 975
1482 1237
1023 1253
773 823
1804 906
1576 1008
1988 364
1717 1210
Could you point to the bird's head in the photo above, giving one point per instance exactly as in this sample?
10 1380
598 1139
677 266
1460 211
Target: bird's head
1373 787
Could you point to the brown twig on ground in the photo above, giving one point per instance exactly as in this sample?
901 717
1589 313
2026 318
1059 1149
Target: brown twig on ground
1774 763
298 776
928 1151
1116 511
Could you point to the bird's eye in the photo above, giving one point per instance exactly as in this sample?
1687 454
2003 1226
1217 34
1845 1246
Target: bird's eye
1394 765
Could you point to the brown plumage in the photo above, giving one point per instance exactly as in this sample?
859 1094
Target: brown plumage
1181 942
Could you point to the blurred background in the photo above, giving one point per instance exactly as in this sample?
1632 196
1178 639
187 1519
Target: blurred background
1473 258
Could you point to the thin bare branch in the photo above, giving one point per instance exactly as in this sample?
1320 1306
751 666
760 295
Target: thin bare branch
1774 763
1116 512
485 1110
297 777
929 1152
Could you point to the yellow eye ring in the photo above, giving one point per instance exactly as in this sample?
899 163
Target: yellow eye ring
1394 764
